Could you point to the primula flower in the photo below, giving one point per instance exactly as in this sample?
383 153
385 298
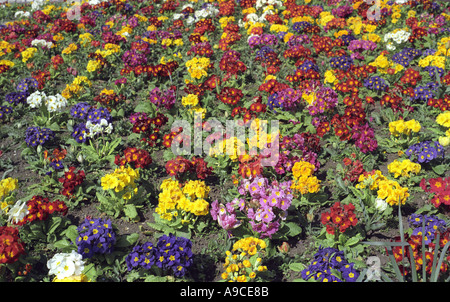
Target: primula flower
425 152
71 180
11 246
329 264
190 100
95 236
163 99
265 204
303 179
443 119
35 136
140 158
65 265
7 185
172 254
402 127
180 202
225 215
339 218
181 168
27 84
18 212
403 168
432 224
122 181
440 189
39 208
244 262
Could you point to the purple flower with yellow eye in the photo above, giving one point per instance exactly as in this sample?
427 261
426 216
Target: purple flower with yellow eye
35 136
254 189
4 111
79 133
96 236
330 264
171 254
133 259
266 215
16 98
273 200
27 85
425 152
80 110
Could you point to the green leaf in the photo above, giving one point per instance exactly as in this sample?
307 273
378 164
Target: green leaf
72 233
144 107
294 229
440 169
130 211
55 222
297 267
127 240
90 272
64 245
352 240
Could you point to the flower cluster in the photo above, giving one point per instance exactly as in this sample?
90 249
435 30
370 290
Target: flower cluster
229 95
35 136
265 203
177 201
55 159
37 208
53 103
149 127
389 190
364 137
443 119
66 266
339 218
404 168
416 240
93 121
300 146
172 254
163 99
341 62
198 67
226 215
304 181
71 180
122 181
425 152
322 100
402 127
244 262
139 158
95 236
109 98
4 110
7 185
426 226
353 168
27 84
329 265
182 168
440 188
11 247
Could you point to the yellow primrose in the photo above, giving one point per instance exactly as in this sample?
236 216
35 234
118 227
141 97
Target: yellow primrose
443 119
28 53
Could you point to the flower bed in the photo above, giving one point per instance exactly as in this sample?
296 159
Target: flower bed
251 140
